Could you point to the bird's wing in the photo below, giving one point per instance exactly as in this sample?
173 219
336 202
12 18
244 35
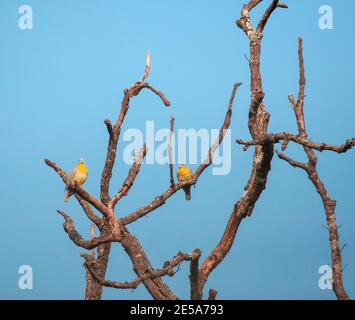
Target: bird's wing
71 177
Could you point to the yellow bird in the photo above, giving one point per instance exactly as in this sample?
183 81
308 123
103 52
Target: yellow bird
184 173
77 175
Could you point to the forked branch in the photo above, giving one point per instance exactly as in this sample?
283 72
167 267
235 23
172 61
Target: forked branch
311 169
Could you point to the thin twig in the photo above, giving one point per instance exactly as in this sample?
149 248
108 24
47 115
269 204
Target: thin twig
311 169
170 152
132 175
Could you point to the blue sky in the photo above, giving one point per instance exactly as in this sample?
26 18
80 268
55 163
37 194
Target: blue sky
59 81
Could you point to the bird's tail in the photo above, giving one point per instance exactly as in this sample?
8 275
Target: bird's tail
67 196
187 190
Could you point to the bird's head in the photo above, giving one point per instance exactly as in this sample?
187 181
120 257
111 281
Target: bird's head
81 161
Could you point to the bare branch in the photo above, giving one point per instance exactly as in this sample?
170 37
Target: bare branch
285 136
160 94
221 250
109 128
93 288
275 4
90 282
58 170
89 212
147 67
311 169
194 276
154 204
225 126
251 5
167 270
244 21
108 214
212 293
69 228
171 166
129 181
114 137
92 237
292 162
258 125
160 200
141 266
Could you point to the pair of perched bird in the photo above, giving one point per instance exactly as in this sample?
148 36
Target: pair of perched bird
80 173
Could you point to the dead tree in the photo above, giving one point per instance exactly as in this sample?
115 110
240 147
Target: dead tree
265 140
114 229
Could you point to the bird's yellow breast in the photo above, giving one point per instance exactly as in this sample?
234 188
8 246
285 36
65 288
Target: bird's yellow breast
81 173
81 167
184 173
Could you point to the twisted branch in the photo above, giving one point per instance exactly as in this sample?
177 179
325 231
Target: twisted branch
167 270
69 228
286 137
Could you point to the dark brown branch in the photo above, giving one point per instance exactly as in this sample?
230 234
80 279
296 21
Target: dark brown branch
111 226
147 67
69 228
108 214
194 276
92 236
292 162
154 204
58 170
160 94
244 21
90 213
167 270
212 293
90 282
129 181
225 126
285 136
171 166
221 250
275 4
94 289
109 128
250 5
258 125
141 265
114 137
311 169
160 200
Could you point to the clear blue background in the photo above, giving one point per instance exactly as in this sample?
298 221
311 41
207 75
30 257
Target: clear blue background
60 80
